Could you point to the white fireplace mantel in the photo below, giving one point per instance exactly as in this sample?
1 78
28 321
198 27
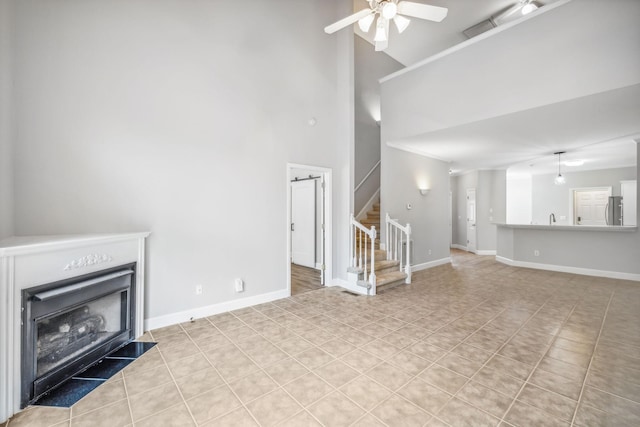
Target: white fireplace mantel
36 260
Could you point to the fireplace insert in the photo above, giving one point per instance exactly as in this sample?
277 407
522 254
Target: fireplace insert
71 324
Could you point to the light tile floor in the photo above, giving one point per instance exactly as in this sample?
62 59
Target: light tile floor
474 343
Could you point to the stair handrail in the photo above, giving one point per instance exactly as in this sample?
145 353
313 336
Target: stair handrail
357 248
397 234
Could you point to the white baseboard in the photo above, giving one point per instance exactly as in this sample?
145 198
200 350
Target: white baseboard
477 251
369 205
569 269
485 252
430 264
200 312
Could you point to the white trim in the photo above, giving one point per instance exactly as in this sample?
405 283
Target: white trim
569 269
318 266
210 310
485 252
430 264
369 205
457 246
474 40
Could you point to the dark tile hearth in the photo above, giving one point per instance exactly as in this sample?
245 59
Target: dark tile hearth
71 391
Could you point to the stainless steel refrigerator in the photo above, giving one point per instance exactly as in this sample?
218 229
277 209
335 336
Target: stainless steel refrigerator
613 211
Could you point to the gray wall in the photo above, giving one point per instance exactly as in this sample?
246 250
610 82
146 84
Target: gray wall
180 118
6 127
402 173
459 186
370 66
491 207
599 250
548 197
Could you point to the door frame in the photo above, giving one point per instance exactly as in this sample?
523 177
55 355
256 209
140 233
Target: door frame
327 213
572 198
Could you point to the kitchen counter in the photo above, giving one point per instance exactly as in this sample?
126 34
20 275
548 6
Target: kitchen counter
611 228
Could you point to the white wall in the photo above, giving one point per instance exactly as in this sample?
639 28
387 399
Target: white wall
6 126
519 199
179 118
548 197
370 66
402 174
581 48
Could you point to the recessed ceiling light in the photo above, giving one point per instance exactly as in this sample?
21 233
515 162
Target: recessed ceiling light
574 162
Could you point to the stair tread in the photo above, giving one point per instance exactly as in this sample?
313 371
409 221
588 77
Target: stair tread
390 277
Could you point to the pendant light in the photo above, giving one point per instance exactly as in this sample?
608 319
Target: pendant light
559 180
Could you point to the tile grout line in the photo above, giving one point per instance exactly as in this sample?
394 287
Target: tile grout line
593 355
175 383
244 405
469 379
526 381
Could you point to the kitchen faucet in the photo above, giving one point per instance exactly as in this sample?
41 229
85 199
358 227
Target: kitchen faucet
552 217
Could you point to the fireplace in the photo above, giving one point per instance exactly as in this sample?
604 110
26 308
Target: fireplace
70 324
53 274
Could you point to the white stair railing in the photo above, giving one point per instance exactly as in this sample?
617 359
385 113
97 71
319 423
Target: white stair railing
397 235
361 241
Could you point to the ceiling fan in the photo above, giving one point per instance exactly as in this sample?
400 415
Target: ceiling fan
388 10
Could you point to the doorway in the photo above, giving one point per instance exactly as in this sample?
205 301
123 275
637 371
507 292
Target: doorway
308 227
589 205
471 220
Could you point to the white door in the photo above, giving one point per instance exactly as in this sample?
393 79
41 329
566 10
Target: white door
590 207
303 223
471 220
628 191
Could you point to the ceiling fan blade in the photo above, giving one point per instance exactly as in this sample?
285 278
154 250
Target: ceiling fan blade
422 11
345 22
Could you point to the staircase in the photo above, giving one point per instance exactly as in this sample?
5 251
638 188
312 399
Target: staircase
365 252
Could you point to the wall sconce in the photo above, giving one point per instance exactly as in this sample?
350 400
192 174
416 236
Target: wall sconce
424 191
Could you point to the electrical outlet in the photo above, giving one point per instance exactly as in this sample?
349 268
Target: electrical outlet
198 289
429 251
536 252
239 285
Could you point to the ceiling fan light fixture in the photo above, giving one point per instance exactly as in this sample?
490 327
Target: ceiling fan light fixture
381 32
401 23
389 10
365 23
528 8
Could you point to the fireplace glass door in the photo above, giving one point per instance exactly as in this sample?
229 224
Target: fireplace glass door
69 325
65 336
